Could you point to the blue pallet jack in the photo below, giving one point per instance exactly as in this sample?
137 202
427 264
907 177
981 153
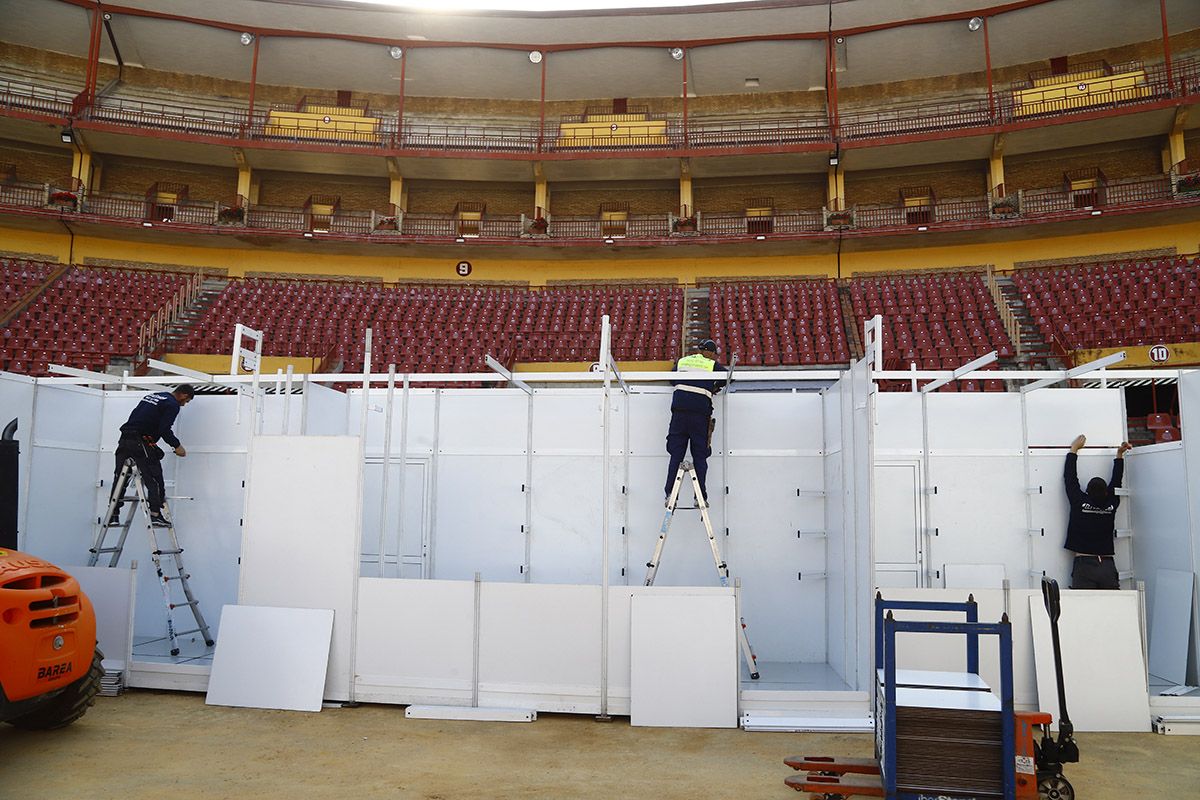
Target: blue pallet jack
1029 770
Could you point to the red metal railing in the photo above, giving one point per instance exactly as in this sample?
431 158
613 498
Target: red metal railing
947 115
752 131
475 138
145 114
29 195
275 219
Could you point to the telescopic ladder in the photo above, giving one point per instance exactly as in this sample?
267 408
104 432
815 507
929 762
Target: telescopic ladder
175 572
722 568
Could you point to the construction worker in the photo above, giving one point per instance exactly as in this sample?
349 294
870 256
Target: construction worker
1093 516
151 420
691 412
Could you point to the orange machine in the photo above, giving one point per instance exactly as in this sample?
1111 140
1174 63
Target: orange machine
50 671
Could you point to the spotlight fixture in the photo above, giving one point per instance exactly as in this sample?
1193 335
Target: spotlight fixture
308 234
107 16
68 136
676 53
760 238
147 224
1097 213
834 158
535 56
396 52
608 241
246 38
974 23
460 240
922 228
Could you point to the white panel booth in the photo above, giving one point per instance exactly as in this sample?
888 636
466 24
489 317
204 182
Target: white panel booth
527 490
821 490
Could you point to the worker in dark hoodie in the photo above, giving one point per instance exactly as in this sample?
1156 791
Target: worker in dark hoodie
1090 528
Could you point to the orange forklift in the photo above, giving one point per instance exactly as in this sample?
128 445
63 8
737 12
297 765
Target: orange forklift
49 665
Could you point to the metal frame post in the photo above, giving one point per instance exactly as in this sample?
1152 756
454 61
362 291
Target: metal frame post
606 365
387 459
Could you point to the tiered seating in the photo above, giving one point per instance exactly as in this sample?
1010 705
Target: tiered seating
430 328
938 321
1142 302
18 277
85 318
773 323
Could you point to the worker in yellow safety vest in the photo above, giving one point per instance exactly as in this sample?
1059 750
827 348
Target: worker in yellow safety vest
691 412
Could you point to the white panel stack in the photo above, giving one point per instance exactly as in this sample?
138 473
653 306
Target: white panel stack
300 541
684 661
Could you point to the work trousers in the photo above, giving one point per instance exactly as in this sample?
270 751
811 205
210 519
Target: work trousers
688 429
148 458
1095 572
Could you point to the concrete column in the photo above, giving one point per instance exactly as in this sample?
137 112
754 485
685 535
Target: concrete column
996 167
397 188
81 162
541 189
835 192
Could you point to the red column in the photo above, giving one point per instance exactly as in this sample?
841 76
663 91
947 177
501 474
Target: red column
93 66
1162 10
831 84
685 92
400 110
987 56
253 82
542 108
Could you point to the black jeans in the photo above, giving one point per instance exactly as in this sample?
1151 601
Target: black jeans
688 429
1095 572
148 458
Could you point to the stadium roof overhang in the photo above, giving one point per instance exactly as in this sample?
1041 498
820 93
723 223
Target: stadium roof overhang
333 44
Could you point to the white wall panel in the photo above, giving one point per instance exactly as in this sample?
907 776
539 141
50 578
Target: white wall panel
899 428
415 641
540 643
566 529
1056 416
569 423
973 422
16 402
301 541
762 422
324 411
978 512
480 510
684 662
482 422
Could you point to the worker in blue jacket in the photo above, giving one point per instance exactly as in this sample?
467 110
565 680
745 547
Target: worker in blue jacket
151 420
691 412
1091 526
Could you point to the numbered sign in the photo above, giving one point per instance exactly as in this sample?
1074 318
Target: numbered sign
1160 353
463 268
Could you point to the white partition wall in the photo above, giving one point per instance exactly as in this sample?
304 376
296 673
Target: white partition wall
975 480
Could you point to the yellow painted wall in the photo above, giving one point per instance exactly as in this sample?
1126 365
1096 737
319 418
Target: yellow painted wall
219 364
584 366
1182 354
1185 238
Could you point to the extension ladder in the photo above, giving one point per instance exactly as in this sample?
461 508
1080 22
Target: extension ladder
130 474
722 567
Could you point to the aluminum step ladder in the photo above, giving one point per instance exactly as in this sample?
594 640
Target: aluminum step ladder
175 573
722 568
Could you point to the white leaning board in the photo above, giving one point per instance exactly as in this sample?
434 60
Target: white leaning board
1103 670
271 658
683 655
301 534
1171 625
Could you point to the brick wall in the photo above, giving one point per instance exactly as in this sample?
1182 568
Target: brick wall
582 200
135 175
440 197
1118 160
966 179
730 194
292 190
36 166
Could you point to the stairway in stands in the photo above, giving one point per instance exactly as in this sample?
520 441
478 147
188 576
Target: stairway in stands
854 335
210 290
1035 352
696 324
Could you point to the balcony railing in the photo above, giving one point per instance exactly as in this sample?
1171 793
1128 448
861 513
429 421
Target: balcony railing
1135 86
1153 192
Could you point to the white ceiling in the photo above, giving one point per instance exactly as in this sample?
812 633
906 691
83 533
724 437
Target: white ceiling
1059 27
